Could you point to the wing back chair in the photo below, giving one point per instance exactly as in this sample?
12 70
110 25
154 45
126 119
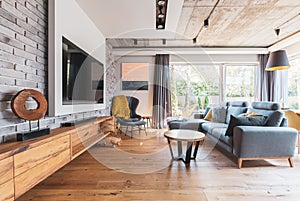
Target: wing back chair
124 109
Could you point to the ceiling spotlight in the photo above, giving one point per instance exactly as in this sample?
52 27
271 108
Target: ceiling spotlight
206 23
277 31
195 40
160 26
160 15
161 3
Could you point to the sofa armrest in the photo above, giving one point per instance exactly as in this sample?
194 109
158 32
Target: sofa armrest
198 115
264 142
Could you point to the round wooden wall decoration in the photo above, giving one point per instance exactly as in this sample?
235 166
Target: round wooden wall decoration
19 108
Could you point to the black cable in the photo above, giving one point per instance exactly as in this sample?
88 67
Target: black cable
206 23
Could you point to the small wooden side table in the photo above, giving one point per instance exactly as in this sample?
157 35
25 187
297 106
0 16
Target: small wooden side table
148 120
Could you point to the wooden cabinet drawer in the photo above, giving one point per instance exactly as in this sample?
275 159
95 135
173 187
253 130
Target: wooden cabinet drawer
39 161
36 155
33 176
84 133
84 137
7 191
6 169
6 179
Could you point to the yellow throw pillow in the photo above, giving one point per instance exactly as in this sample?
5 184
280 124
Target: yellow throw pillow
120 107
252 114
208 116
293 119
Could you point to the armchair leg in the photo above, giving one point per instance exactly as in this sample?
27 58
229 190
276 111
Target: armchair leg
291 161
240 162
145 130
131 131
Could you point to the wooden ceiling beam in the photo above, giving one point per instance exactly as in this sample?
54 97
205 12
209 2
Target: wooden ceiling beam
285 42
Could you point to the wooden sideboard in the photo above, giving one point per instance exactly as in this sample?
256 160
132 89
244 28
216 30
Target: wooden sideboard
25 164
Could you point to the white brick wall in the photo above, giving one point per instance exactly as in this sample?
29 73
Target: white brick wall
23 64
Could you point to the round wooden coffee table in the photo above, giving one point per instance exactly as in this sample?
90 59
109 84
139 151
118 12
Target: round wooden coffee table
190 137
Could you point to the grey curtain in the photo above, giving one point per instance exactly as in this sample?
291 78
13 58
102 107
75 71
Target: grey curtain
161 92
265 81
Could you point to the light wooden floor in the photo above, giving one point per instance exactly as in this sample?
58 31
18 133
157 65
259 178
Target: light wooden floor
140 169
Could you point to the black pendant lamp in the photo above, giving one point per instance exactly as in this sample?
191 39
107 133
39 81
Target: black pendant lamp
278 60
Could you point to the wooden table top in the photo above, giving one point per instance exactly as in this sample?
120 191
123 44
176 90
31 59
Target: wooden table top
184 135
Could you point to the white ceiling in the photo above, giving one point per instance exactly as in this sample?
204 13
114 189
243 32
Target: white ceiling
234 23
131 18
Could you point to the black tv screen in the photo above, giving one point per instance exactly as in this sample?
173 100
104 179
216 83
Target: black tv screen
82 74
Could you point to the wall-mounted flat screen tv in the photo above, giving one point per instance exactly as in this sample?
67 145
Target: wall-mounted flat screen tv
82 74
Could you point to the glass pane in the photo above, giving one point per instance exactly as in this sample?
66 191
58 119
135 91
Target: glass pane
240 83
193 87
294 84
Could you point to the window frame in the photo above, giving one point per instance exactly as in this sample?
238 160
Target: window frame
222 67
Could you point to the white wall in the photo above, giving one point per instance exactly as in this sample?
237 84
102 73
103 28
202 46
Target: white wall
145 97
67 19
293 51
214 58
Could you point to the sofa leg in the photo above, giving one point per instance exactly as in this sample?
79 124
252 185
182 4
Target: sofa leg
240 161
291 161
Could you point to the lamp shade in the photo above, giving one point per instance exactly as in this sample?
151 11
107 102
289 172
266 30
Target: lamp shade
277 61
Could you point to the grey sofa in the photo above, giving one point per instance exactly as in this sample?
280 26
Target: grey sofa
247 142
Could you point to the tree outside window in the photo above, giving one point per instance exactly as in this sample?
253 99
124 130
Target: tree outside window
193 87
240 83
294 84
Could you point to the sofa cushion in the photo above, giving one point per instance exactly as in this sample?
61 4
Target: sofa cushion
207 109
209 126
234 111
219 133
208 116
252 114
264 108
190 124
244 121
275 119
261 112
261 105
219 114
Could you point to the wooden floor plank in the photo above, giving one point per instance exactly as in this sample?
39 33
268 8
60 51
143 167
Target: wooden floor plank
127 173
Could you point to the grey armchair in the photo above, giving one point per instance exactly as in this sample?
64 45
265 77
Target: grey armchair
134 122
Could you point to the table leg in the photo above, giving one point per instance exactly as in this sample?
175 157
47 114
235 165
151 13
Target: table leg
188 152
145 130
179 146
188 156
139 130
196 150
170 147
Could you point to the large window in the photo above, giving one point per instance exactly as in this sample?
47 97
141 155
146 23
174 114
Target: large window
193 87
294 84
240 83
